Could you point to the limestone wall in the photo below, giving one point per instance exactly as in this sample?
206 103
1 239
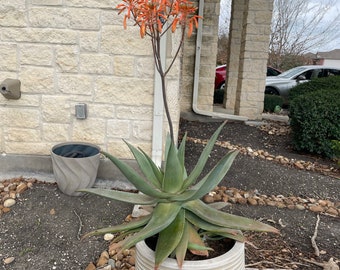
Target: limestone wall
208 51
248 53
66 52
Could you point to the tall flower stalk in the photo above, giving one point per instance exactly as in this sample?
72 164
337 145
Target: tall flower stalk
155 18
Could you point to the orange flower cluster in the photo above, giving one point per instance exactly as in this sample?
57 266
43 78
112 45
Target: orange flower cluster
152 15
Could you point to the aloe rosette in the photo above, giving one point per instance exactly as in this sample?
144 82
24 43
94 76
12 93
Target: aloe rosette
179 217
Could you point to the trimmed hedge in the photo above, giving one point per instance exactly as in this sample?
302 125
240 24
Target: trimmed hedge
315 120
271 101
332 82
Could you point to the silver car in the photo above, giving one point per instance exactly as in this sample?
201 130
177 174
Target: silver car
281 84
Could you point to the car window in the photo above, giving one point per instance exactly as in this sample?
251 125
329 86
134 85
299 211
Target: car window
317 73
272 72
327 72
310 74
333 72
306 75
292 72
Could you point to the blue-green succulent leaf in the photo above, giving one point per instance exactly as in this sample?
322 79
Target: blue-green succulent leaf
136 179
173 173
193 246
195 239
214 177
156 170
210 181
224 219
129 197
169 238
182 246
203 159
145 165
162 216
137 223
214 229
181 155
168 142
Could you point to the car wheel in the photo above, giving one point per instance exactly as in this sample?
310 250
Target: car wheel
271 91
222 86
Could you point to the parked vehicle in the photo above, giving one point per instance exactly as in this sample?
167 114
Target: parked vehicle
281 84
221 74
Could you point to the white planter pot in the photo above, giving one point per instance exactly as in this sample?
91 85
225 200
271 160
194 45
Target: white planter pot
234 259
75 166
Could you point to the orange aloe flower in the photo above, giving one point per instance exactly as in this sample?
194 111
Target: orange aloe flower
155 18
151 15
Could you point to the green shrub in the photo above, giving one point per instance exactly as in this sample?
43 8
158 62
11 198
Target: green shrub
315 121
272 101
332 82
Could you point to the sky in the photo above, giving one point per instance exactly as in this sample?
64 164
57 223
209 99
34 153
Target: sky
332 13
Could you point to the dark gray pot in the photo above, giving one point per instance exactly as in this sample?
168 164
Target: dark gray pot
75 166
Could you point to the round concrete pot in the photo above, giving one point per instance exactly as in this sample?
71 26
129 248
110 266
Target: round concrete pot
234 259
75 166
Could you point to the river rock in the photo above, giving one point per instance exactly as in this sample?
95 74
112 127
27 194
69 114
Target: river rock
9 203
108 236
103 259
21 188
8 260
316 208
91 266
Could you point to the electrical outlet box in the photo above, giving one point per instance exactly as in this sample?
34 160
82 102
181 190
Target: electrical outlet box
81 111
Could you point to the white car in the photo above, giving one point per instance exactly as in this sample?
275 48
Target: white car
281 84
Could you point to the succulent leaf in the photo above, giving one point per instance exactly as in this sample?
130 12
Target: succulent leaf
198 249
136 179
181 155
202 159
145 166
224 219
134 198
156 170
196 244
214 229
237 237
168 142
214 177
121 227
182 246
169 238
173 173
161 217
218 205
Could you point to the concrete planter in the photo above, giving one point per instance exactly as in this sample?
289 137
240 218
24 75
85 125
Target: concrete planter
234 259
75 166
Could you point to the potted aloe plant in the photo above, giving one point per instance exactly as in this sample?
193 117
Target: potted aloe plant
179 219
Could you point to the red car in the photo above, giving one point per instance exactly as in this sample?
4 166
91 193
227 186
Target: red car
221 74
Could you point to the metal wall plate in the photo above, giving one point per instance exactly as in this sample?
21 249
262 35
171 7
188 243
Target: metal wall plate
81 111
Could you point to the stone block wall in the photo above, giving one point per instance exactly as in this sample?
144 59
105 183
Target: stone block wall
247 59
208 50
66 52
248 54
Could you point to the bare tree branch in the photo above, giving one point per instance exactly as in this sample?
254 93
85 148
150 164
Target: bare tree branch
299 26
